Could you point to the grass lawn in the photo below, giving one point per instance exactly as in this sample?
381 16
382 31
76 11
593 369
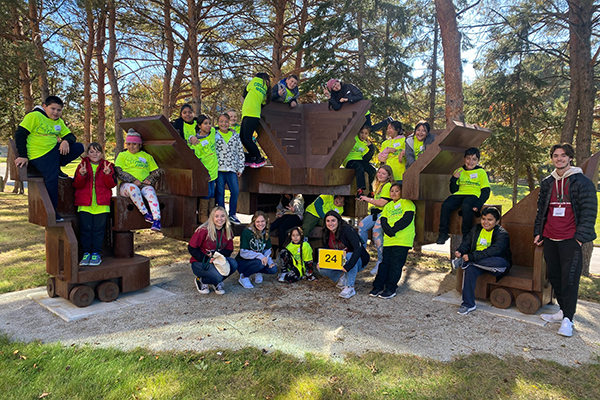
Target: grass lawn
35 370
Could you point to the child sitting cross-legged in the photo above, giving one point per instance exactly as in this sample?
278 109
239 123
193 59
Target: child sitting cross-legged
296 258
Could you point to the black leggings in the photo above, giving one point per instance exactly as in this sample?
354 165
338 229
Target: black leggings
247 129
284 224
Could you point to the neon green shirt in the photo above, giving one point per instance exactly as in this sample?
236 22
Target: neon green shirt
394 211
484 240
419 147
307 255
358 151
189 130
327 206
94 208
207 153
398 144
139 164
256 97
43 133
384 193
472 181
236 128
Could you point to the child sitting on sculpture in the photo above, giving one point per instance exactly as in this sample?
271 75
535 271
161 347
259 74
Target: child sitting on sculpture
359 159
138 173
418 142
43 139
392 150
486 248
286 91
470 189
93 183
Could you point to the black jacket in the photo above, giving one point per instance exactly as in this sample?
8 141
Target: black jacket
348 91
353 244
582 192
178 125
500 246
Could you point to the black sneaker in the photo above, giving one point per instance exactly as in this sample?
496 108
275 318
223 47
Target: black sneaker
375 292
442 238
457 263
58 218
359 193
387 294
62 175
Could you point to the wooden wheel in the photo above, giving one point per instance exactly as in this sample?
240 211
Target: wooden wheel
81 296
51 287
501 298
107 291
528 303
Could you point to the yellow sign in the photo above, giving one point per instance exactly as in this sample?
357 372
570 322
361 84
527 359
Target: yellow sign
331 259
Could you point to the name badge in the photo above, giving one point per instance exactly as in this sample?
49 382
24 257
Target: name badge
361 149
57 128
483 241
397 206
559 212
204 143
422 148
473 176
142 159
396 144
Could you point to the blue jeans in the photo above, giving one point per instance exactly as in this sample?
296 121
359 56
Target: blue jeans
49 165
211 190
363 231
335 274
231 179
211 276
492 265
251 267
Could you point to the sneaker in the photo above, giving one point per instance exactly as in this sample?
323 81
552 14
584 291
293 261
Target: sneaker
442 238
566 327
558 317
148 218
341 283
245 282
375 292
219 288
62 175
457 263
375 269
248 163
359 193
347 292
202 288
261 162
86 259
95 260
464 310
389 120
258 278
156 226
387 294
281 277
58 218
234 220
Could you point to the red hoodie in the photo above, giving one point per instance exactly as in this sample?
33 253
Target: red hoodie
104 184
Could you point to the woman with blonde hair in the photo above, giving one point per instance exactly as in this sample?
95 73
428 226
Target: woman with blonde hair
254 257
212 239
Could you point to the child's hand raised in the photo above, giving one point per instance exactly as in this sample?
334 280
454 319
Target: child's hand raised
458 172
83 170
107 170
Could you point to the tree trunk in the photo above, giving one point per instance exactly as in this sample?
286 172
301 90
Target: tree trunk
362 61
278 34
112 77
166 99
301 30
101 40
34 23
446 16
87 76
434 66
24 76
515 191
530 178
179 75
192 45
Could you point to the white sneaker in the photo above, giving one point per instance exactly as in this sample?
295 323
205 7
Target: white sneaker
558 317
258 278
374 270
281 277
566 327
219 288
201 287
347 292
245 282
341 283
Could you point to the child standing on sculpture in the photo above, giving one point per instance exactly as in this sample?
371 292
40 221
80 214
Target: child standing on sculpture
137 171
204 145
233 120
230 154
359 159
398 224
470 189
186 124
256 95
44 140
93 182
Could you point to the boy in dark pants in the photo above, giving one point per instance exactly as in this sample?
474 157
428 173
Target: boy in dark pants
486 248
565 219
470 189
44 140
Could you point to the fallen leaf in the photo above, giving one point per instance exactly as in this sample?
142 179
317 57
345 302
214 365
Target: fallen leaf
68 367
246 363
179 338
41 396
15 352
141 358
222 329
227 362
34 366
22 357
526 349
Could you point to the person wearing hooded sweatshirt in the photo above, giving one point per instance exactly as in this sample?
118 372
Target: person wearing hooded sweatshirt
417 143
470 189
286 91
566 216
44 140
486 248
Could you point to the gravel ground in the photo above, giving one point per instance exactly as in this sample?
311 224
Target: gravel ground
307 317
